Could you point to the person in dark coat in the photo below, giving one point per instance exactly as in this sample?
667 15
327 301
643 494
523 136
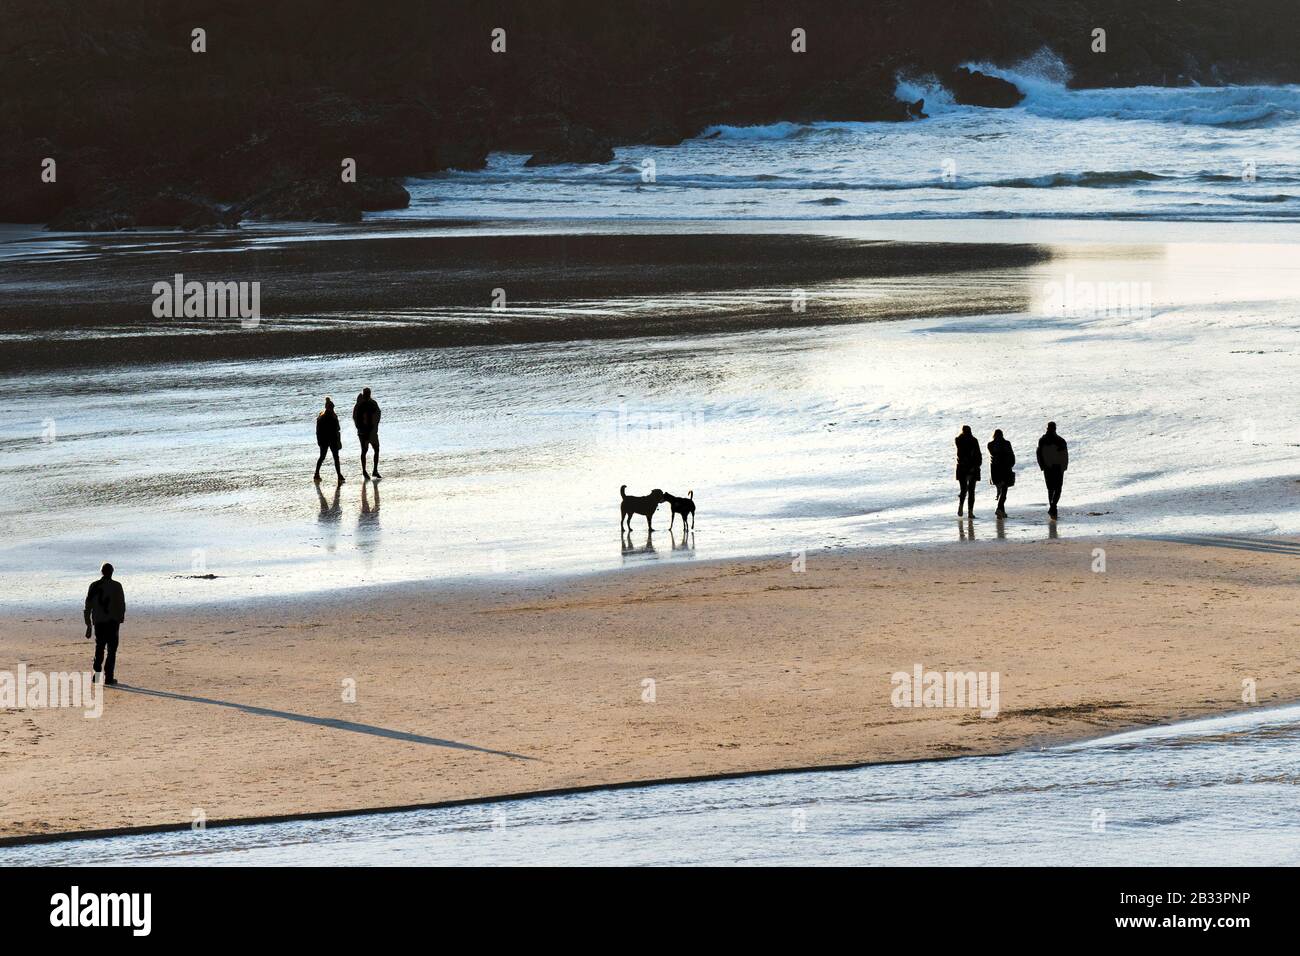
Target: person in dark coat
1053 459
1002 462
328 438
969 460
365 415
105 610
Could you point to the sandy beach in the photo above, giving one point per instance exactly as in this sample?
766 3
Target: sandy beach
723 435
501 688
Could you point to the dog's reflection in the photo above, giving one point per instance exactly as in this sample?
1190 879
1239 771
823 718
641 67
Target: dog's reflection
629 548
687 542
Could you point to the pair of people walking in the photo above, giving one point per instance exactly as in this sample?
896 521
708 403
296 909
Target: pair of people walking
365 417
1053 459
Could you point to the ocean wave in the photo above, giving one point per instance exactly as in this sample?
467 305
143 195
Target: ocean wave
1263 197
1267 175
1094 179
1240 107
1044 80
938 100
771 131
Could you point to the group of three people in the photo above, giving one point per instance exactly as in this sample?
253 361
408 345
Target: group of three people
365 416
1053 460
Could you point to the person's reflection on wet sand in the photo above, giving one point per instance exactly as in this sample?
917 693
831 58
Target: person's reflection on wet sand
630 549
688 540
329 516
368 514
966 529
329 510
368 520
1002 527
1051 531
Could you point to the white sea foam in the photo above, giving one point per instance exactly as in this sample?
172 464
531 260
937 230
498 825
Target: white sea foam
1043 79
770 131
936 97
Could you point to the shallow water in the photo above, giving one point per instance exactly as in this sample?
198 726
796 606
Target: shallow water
506 460
1215 792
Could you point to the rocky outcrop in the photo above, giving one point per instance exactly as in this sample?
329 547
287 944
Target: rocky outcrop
132 208
572 144
320 200
972 88
146 131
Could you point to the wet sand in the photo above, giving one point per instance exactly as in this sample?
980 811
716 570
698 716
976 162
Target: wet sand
465 692
194 477
364 291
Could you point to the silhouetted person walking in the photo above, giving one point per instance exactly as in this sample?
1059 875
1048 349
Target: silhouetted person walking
328 437
106 610
365 415
1002 463
969 460
1053 459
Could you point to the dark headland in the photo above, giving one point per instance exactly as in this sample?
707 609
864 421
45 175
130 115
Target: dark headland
146 132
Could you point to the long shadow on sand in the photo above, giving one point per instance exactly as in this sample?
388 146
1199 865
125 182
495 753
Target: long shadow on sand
330 722
1237 542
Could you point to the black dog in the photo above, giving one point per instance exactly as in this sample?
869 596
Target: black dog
681 506
639 505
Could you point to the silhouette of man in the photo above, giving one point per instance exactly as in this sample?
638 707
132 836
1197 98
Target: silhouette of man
969 460
365 415
106 610
1053 459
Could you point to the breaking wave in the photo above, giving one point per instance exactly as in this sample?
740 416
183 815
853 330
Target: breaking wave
1044 79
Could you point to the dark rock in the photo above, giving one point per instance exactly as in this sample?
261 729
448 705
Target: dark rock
380 193
25 196
26 199
574 144
93 219
973 88
172 209
131 208
467 151
315 200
